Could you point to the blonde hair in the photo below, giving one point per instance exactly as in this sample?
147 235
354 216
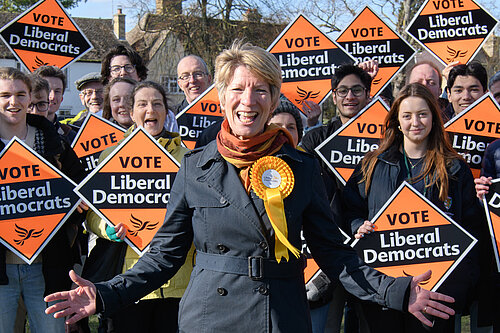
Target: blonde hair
257 60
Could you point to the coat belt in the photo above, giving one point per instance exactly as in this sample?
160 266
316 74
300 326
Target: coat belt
255 267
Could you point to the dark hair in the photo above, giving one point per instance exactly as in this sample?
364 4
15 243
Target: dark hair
439 150
52 71
39 84
425 62
474 69
343 70
286 106
134 57
106 108
154 85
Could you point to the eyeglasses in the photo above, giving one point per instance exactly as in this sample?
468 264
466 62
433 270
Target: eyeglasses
90 92
195 76
40 106
129 68
343 91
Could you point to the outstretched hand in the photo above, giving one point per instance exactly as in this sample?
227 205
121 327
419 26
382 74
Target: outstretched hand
75 304
424 302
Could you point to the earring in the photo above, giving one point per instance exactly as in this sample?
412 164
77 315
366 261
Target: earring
399 128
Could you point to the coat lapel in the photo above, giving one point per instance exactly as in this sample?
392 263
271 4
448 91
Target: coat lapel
223 178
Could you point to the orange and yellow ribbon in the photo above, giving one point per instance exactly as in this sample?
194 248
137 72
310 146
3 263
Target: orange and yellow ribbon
272 180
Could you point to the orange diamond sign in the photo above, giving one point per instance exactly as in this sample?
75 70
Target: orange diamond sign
367 38
35 200
452 30
345 148
411 236
45 35
95 135
200 114
132 186
474 129
308 59
492 206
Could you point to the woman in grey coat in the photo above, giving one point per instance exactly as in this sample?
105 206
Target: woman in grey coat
243 200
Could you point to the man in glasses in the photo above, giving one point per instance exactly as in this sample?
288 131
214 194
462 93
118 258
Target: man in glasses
193 78
39 96
91 95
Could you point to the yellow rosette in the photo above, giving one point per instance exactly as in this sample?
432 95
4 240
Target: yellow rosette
272 180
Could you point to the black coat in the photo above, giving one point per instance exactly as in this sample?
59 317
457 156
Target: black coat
210 207
464 209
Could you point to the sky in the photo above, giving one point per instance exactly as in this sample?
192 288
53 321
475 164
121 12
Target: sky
102 9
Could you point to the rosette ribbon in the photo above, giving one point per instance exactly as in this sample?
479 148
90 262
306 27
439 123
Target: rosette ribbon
272 180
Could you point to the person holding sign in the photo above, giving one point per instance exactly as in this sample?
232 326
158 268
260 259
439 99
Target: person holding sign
158 310
243 200
47 274
466 84
415 148
117 106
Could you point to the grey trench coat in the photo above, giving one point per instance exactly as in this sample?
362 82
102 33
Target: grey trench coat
209 206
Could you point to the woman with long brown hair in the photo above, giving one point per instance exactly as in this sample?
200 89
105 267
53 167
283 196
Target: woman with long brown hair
416 149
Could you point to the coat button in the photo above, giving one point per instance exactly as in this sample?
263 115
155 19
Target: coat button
263 290
223 200
263 245
222 291
222 248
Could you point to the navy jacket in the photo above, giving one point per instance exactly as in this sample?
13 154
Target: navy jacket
464 209
210 207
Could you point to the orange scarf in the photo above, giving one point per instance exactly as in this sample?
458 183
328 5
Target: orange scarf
243 153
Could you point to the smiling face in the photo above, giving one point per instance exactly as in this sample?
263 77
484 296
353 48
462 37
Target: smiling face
91 96
149 111
119 102
118 68
465 91
55 95
247 103
350 105
14 101
192 77
415 119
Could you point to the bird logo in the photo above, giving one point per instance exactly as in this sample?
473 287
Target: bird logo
39 62
423 283
455 54
140 225
25 234
303 94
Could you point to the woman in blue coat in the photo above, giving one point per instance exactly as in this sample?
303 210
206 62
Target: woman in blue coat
416 148
243 200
